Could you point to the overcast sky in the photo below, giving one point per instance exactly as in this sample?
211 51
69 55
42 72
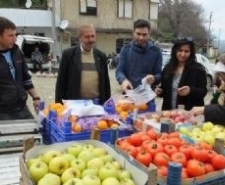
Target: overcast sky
217 7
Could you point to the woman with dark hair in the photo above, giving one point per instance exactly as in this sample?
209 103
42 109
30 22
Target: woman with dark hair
183 79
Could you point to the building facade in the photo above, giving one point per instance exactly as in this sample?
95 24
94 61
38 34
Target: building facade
113 20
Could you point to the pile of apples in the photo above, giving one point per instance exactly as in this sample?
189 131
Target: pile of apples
80 164
160 149
207 132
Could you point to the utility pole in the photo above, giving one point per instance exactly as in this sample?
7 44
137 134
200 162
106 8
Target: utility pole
208 39
218 45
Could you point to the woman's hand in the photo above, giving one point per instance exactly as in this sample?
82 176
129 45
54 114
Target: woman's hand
158 90
197 111
183 91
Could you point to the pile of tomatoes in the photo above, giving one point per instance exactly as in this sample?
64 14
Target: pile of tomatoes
160 149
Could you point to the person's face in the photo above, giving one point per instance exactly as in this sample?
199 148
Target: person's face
141 36
183 53
221 76
87 38
7 39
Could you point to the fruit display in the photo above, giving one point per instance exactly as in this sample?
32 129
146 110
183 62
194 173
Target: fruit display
177 117
206 132
83 163
159 149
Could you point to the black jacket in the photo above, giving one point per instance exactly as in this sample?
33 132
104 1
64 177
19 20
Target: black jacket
69 76
13 94
193 76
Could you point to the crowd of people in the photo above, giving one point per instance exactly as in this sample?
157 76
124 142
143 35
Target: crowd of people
83 73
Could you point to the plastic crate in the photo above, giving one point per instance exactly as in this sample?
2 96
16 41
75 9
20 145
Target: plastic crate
63 133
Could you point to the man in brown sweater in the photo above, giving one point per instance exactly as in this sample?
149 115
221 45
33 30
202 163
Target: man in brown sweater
83 72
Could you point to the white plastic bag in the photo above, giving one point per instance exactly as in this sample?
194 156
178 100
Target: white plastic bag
141 94
84 108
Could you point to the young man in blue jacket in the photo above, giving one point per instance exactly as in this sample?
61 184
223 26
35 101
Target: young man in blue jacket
139 59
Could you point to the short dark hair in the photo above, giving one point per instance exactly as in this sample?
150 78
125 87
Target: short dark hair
6 24
142 23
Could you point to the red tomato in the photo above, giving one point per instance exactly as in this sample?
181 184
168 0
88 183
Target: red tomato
218 161
131 150
135 139
175 141
144 157
162 140
162 171
161 159
123 144
145 144
209 168
205 145
195 168
154 148
174 135
164 134
200 154
145 137
152 134
186 150
211 154
184 174
179 158
170 149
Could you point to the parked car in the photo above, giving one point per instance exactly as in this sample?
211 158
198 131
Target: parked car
27 43
209 67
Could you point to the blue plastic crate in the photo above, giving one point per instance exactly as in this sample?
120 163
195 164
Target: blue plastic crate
63 133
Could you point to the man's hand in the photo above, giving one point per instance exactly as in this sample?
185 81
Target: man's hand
150 79
36 104
158 90
183 91
197 111
126 85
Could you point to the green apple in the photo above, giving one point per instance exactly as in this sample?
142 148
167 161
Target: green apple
110 181
127 182
38 170
32 161
95 163
90 171
69 157
217 128
107 158
48 156
196 129
208 138
86 155
53 179
197 138
124 174
58 165
207 126
220 135
79 164
70 173
107 171
117 165
74 181
88 147
75 149
44 181
99 152
183 130
91 180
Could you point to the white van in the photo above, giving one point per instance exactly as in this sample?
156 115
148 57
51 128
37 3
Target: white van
27 43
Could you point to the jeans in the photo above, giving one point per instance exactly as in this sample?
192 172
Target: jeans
23 113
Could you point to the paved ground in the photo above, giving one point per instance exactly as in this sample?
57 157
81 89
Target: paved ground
45 86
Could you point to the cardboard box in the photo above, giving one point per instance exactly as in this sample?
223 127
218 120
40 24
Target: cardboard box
139 176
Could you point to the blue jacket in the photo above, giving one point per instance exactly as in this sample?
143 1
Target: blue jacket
136 62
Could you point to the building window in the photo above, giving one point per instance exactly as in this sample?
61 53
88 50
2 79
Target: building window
125 8
153 10
88 7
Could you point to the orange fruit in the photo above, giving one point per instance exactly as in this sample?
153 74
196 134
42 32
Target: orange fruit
124 115
72 118
142 107
45 111
102 125
115 125
76 127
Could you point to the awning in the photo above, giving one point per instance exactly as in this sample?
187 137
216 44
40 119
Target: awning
29 17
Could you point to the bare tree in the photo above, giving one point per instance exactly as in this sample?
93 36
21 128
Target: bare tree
182 18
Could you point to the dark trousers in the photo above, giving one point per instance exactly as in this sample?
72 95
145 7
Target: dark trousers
37 66
23 113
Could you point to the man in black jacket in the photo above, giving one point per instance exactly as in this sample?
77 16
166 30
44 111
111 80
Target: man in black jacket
83 72
15 81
